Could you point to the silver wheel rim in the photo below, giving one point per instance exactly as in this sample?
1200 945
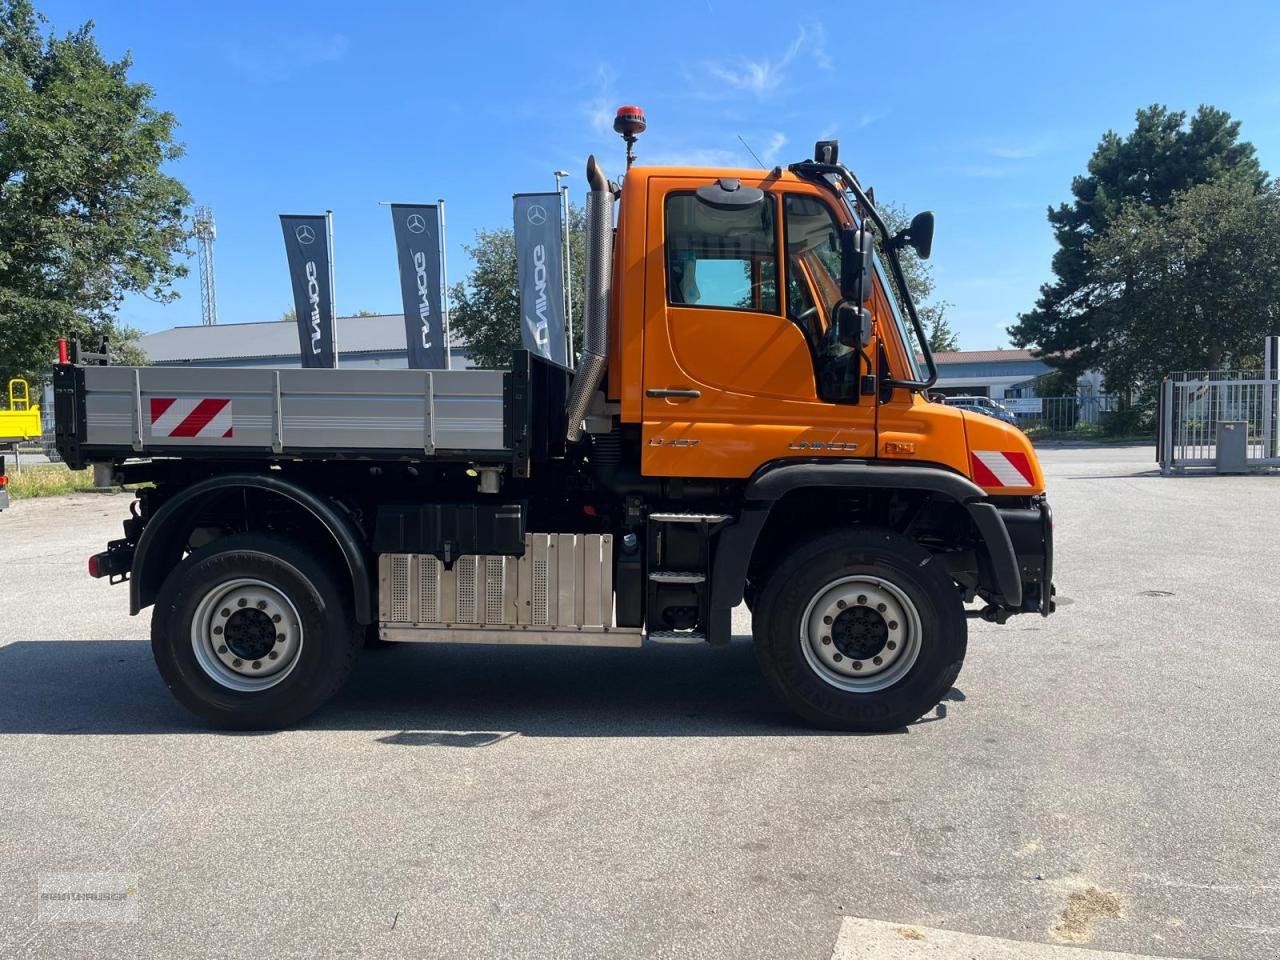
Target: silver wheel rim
246 635
860 634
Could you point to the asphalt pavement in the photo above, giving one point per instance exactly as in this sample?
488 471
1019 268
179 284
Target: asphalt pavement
1106 778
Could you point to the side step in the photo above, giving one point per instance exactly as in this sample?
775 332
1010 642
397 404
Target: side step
690 517
677 576
676 636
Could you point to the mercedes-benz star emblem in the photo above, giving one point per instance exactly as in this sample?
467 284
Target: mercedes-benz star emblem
415 223
304 234
537 214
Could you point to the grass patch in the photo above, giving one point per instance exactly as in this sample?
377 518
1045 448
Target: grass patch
49 480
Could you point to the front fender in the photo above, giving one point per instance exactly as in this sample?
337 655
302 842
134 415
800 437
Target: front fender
773 481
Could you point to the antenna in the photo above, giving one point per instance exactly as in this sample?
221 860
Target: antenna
205 233
752 152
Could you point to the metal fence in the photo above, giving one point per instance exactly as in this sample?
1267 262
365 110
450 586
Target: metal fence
1062 416
1193 405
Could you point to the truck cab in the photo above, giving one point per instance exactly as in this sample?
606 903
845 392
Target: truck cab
748 422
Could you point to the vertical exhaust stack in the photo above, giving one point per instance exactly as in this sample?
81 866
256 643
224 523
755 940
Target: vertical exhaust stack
597 281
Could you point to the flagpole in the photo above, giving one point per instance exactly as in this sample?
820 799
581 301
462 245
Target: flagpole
444 290
568 274
333 296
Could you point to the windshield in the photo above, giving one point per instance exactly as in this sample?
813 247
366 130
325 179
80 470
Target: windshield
909 345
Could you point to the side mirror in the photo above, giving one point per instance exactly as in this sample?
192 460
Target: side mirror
856 271
919 235
853 324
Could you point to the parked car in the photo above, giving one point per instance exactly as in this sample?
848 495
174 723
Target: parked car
983 405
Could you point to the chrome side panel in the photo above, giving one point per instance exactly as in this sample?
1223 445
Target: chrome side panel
560 591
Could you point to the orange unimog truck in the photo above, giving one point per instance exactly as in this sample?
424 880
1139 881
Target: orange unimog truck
749 421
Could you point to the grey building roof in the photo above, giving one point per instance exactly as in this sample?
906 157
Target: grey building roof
276 338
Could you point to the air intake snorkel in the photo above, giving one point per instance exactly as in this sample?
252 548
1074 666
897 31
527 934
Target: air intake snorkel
597 283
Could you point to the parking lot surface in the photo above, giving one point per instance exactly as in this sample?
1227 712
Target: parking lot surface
1107 777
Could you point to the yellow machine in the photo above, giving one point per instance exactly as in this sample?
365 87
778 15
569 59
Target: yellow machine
22 420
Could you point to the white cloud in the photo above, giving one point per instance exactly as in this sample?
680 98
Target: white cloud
763 76
693 157
777 141
1020 150
599 108
280 58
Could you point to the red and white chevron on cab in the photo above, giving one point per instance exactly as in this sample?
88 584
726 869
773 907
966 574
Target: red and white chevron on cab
996 468
191 417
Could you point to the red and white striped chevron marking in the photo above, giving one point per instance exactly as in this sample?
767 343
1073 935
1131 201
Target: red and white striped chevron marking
995 468
190 417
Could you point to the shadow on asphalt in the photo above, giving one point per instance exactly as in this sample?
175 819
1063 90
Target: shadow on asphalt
458 696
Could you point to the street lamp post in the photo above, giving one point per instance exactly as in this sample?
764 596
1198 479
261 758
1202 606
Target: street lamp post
568 266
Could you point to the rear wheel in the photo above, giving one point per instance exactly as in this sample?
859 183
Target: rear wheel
860 630
252 632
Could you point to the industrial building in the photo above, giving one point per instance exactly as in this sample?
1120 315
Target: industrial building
367 342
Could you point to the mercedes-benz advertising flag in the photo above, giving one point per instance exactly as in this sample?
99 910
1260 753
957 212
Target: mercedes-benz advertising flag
418 251
538 266
306 238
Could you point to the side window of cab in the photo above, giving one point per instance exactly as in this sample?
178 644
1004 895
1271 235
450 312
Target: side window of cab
721 258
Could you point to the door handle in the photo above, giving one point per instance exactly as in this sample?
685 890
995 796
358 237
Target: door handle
660 392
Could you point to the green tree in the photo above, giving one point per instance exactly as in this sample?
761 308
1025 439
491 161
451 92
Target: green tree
484 310
291 315
1194 284
87 216
1079 315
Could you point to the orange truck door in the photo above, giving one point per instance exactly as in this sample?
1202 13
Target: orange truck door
732 330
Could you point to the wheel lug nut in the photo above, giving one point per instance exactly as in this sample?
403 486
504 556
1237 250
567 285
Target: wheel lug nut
217 629
257 664
862 598
826 620
826 641
272 655
841 604
837 658
226 612
881 607
262 604
893 624
857 664
891 645
279 638
242 602
223 648
276 618
237 662
877 661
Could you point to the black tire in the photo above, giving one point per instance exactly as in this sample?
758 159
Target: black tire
329 642
805 575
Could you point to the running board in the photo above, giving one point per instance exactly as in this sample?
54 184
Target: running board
676 636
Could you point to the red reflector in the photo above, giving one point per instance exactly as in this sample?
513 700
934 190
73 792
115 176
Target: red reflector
93 566
4 481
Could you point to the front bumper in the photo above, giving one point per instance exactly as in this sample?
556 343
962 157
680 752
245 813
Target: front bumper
1031 536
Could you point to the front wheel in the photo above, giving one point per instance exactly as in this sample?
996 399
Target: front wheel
860 630
252 632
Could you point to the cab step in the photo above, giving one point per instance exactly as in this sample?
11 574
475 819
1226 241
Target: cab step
690 517
677 576
677 636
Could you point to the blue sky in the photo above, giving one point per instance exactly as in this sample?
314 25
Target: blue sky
980 111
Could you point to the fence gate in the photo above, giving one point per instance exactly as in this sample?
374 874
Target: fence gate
1194 402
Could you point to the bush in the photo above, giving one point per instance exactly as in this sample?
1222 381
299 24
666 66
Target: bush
1131 422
